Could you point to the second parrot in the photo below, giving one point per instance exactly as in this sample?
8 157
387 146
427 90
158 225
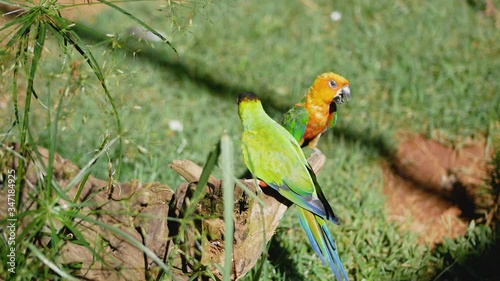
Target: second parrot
317 113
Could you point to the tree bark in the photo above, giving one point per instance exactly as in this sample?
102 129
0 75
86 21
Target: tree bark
153 215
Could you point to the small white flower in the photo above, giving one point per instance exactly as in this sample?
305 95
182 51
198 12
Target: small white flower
336 15
175 125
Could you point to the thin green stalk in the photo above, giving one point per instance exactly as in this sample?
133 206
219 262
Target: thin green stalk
50 264
80 186
248 191
61 27
200 186
81 174
52 142
152 30
227 163
23 46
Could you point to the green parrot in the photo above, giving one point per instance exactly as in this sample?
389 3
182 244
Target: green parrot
275 158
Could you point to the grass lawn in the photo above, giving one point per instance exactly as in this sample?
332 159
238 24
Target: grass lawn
422 67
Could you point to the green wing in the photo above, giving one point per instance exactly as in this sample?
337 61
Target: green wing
333 120
273 156
295 122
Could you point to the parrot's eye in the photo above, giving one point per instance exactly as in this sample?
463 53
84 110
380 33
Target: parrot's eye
332 84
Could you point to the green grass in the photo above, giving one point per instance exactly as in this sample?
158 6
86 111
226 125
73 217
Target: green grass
421 67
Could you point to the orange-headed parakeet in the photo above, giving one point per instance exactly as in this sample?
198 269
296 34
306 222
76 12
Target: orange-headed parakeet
274 157
307 120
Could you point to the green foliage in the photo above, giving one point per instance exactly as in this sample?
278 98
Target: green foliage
52 215
472 257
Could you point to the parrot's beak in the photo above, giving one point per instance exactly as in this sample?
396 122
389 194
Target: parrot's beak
343 95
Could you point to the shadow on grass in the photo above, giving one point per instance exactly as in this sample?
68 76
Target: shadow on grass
477 266
279 257
382 146
480 260
178 69
375 142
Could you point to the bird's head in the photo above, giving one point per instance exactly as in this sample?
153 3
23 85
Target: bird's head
331 88
247 97
249 107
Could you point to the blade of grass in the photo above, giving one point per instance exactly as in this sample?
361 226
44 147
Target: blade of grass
40 169
41 32
87 173
10 150
11 3
80 186
61 27
248 191
22 48
52 141
80 239
32 228
52 245
40 36
49 263
205 174
227 164
89 164
26 22
152 30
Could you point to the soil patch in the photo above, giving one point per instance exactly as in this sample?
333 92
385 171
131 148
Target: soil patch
433 189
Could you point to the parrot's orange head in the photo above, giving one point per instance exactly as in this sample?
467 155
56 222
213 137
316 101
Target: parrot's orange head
330 88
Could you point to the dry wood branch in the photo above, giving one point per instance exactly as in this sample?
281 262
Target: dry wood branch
141 211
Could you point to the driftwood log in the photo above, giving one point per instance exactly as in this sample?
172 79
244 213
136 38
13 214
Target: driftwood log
152 214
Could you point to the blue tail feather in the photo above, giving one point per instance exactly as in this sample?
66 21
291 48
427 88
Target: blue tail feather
322 242
305 225
333 256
